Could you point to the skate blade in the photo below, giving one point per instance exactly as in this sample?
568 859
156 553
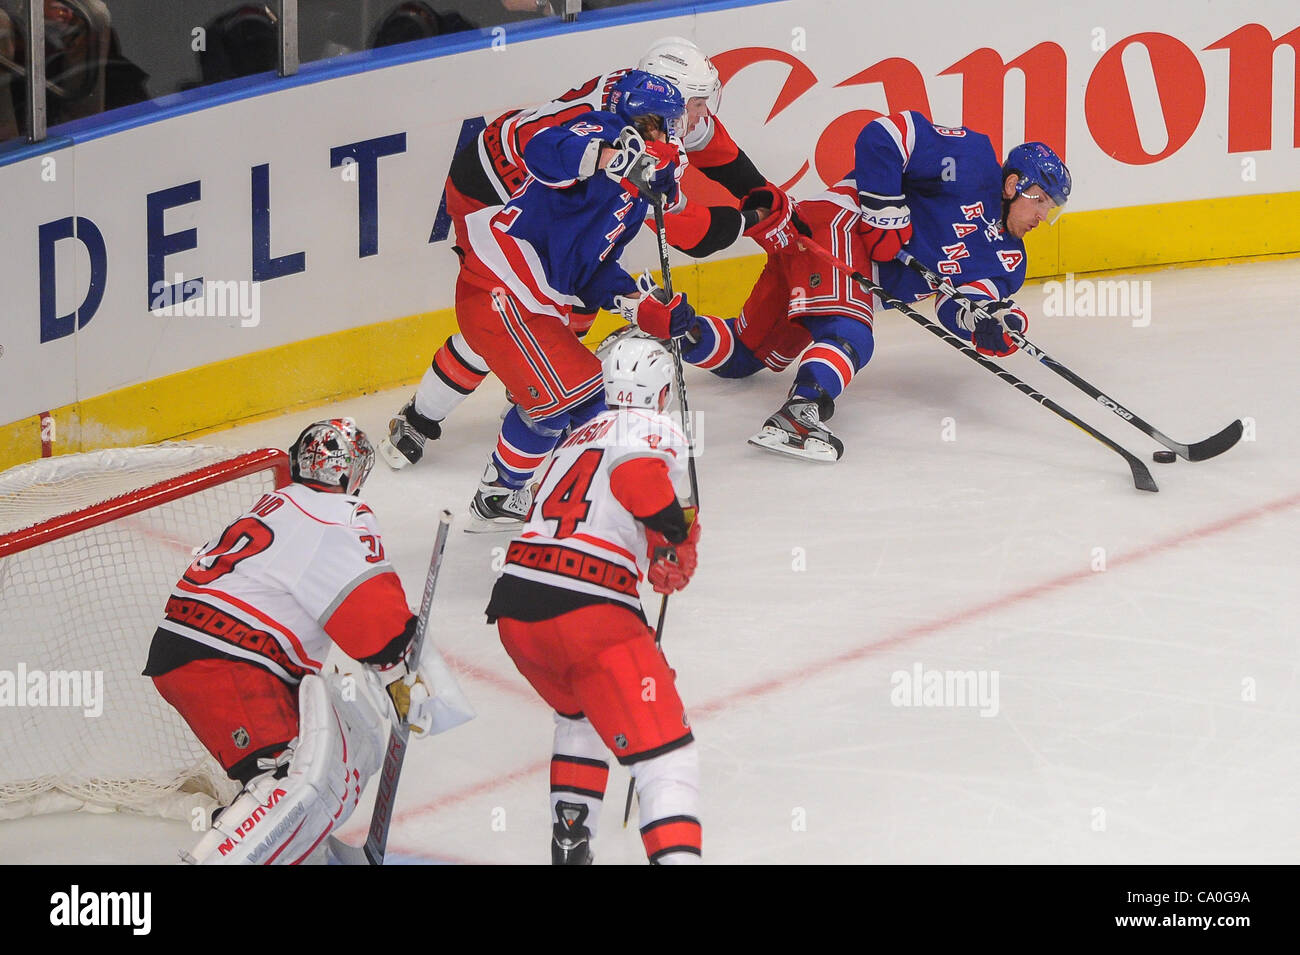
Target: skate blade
479 525
491 525
814 449
392 457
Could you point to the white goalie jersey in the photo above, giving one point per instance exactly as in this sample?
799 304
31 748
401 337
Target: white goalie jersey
298 569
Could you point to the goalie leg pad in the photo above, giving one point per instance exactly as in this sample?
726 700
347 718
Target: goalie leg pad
282 818
668 792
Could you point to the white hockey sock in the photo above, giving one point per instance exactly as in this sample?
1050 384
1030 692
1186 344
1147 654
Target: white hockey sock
579 768
451 378
668 790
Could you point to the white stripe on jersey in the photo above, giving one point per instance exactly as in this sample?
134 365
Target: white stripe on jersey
486 243
289 641
904 139
980 287
486 162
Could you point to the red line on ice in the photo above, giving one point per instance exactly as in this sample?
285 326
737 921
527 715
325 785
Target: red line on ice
911 633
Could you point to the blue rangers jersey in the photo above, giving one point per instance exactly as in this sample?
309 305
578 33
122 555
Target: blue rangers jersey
556 243
951 179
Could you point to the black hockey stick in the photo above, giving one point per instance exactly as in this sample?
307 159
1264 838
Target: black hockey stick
1141 474
1199 451
675 349
376 845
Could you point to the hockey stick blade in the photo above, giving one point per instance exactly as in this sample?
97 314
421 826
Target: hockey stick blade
1142 478
390 772
1214 445
1199 451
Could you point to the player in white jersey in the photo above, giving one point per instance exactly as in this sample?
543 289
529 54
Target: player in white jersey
245 634
569 614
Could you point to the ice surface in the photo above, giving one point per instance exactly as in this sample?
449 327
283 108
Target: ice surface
1146 712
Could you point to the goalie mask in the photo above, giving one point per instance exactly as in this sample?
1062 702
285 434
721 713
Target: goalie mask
638 374
334 453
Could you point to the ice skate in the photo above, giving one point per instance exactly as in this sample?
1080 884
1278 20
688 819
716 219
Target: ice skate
407 433
570 839
797 430
497 506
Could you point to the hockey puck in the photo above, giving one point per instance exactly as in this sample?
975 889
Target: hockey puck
1164 457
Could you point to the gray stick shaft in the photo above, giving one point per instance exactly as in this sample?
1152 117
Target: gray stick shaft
382 817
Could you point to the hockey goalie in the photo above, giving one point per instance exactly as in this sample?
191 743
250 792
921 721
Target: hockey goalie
241 647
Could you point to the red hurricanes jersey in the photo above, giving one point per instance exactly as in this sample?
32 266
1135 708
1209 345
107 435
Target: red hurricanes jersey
298 569
578 535
501 145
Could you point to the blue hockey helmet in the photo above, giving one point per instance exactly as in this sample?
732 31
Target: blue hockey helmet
1038 165
644 94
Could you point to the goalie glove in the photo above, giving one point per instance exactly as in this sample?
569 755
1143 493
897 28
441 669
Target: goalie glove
426 698
884 225
654 312
989 332
672 565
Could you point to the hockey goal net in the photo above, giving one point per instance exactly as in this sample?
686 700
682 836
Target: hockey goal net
90 546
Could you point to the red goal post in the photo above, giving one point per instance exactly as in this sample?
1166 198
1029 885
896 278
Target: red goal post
90 546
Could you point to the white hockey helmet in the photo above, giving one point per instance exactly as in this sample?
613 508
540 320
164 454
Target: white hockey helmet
334 453
683 64
638 374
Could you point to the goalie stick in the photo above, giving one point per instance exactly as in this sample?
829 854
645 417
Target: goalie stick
1214 445
1142 478
376 844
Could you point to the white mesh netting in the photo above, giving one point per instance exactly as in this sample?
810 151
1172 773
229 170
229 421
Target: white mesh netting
79 726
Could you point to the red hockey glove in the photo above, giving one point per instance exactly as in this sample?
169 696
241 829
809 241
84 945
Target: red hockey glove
654 312
671 565
989 335
668 170
778 230
885 225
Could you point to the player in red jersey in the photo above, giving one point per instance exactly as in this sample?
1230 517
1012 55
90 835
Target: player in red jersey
488 170
569 613
244 636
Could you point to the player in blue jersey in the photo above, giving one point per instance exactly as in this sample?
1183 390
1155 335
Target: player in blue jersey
553 249
937 191
490 168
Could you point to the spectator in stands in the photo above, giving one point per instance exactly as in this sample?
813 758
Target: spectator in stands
240 42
